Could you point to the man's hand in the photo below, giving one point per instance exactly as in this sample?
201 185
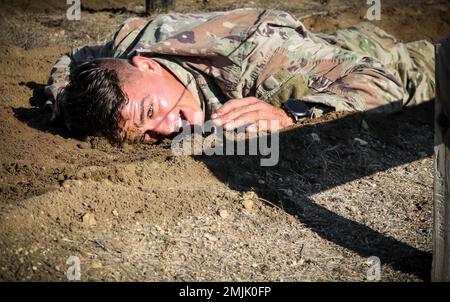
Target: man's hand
254 114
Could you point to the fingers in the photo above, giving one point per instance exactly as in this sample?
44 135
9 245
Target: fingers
244 119
254 122
253 128
252 113
236 112
233 104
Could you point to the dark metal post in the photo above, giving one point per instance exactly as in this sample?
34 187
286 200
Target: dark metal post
152 5
441 218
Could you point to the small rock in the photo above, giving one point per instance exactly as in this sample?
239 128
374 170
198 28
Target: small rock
115 213
96 264
409 169
34 268
247 199
89 219
210 237
71 183
352 209
289 192
224 214
249 195
361 142
315 137
364 125
248 204
84 145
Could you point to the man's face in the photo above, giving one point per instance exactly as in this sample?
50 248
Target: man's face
159 105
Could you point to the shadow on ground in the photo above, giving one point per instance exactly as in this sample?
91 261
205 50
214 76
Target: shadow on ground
336 160
38 116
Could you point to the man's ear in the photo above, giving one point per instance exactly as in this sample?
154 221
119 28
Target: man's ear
146 64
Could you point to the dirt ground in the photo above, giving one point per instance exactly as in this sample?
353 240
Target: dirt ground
138 213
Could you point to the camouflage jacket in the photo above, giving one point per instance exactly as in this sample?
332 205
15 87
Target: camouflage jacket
268 54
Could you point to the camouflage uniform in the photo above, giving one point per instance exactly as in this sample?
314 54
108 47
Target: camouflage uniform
271 55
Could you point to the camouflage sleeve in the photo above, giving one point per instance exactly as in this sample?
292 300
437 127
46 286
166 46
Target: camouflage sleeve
59 76
367 85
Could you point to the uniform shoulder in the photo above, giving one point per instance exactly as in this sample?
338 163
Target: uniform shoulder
128 26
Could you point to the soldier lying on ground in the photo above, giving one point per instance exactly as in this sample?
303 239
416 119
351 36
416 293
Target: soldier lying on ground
238 68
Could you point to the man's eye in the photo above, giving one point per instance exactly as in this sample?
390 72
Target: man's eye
150 111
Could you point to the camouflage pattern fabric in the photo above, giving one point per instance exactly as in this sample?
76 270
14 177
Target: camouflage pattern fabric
270 54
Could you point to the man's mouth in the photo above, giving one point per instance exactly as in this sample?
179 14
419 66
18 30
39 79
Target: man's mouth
183 120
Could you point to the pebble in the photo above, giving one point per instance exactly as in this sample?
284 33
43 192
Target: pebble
364 125
361 142
315 137
247 199
96 264
115 213
249 195
248 204
84 145
409 169
224 214
352 209
89 219
71 183
210 237
289 192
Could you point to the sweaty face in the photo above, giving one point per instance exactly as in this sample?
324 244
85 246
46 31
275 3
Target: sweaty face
159 105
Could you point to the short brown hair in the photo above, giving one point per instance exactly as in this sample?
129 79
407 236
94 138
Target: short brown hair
93 101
